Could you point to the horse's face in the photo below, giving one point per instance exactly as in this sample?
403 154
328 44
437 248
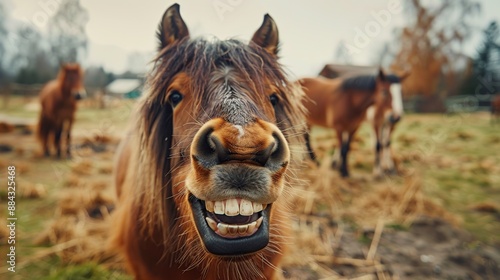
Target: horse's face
384 96
397 103
229 157
73 79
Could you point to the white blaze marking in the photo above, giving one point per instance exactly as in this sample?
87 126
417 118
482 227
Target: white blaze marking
397 99
241 132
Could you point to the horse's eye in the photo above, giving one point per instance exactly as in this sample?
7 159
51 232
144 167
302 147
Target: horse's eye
274 99
175 97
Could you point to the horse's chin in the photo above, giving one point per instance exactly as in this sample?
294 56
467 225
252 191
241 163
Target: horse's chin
230 236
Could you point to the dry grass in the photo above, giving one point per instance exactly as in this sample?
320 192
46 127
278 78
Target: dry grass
486 207
323 208
82 167
76 234
32 191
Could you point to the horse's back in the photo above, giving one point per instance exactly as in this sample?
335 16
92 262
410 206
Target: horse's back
321 96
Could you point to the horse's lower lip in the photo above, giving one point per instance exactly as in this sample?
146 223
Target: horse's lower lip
221 246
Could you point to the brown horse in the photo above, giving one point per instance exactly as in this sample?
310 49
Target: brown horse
58 99
202 174
341 104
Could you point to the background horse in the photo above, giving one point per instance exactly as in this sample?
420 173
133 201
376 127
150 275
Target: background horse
341 104
201 175
58 101
383 117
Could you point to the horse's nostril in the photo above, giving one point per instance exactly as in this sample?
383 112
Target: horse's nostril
219 149
263 156
211 142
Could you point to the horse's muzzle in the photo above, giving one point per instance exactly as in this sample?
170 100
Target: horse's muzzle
80 94
394 118
237 173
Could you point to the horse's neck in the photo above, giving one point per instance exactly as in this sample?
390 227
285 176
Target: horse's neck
363 100
65 88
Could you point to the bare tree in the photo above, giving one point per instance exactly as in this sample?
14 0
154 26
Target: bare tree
431 45
3 41
32 59
67 34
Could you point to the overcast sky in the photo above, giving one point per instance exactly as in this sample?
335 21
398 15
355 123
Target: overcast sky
310 31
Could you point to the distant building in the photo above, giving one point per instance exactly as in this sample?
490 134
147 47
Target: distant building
336 70
125 88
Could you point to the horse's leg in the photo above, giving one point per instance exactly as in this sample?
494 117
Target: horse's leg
387 161
44 135
337 159
312 155
57 139
336 156
377 169
345 140
68 138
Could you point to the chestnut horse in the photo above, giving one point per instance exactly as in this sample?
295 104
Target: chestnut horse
202 174
58 106
341 104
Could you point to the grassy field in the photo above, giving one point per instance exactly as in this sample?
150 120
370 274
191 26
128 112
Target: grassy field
454 158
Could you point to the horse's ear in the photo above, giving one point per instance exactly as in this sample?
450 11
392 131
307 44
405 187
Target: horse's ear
267 35
172 27
381 75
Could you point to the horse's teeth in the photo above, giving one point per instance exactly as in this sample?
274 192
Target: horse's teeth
234 230
211 223
251 227
259 222
209 205
219 207
246 208
222 228
257 207
242 229
232 207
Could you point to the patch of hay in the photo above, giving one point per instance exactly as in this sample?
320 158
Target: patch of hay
407 140
397 205
79 231
486 207
73 181
464 135
4 233
105 169
82 167
32 191
22 167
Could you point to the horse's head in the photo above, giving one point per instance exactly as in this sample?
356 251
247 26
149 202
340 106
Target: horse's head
397 96
72 78
218 121
383 96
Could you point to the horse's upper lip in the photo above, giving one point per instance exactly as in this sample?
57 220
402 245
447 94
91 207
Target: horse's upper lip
231 231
